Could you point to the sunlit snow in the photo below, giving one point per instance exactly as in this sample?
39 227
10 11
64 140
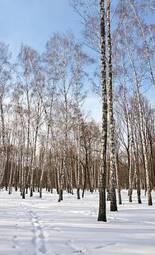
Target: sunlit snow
43 226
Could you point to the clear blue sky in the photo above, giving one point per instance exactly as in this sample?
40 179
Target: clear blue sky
33 21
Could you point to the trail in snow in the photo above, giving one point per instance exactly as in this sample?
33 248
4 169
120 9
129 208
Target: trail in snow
45 227
39 239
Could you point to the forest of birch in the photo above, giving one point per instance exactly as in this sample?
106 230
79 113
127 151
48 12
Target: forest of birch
49 140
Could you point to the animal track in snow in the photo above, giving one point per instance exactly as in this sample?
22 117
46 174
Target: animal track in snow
39 239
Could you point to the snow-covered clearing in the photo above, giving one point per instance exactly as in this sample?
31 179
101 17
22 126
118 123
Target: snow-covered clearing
45 227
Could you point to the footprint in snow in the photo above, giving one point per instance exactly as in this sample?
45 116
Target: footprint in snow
105 245
14 246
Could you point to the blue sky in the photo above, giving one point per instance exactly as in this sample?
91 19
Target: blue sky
33 21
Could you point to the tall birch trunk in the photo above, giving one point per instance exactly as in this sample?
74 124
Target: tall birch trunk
103 168
111 126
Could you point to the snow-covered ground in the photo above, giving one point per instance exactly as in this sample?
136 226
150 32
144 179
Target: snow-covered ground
45 227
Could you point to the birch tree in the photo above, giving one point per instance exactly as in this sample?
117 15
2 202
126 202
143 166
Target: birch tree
103 170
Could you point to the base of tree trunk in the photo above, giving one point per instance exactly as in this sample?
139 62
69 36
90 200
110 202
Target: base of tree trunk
113 201
102 206
130 198
10 191
139 200
31 192
23 194
119 198
78 193
139 196
150 203
83 193
102 218
40 192
60 195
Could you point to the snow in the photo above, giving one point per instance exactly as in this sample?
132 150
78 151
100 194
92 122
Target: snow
45 227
